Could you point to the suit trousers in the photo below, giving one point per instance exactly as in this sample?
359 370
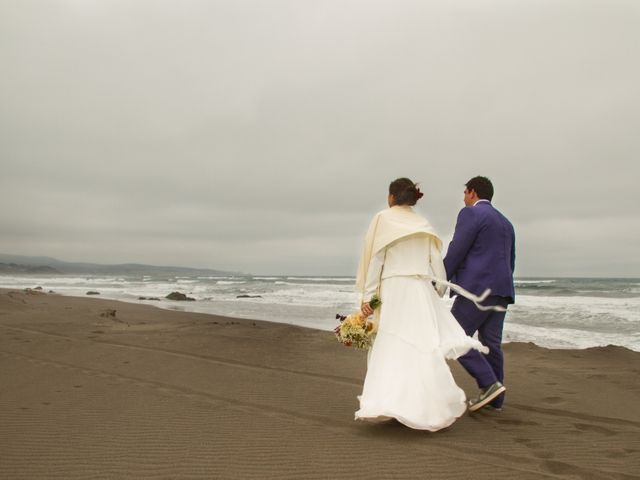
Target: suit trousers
486 369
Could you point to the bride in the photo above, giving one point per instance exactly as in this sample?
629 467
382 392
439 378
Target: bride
407 374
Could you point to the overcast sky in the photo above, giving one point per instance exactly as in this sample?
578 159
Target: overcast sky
261 136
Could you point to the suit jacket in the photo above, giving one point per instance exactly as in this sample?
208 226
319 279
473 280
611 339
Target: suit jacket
482 252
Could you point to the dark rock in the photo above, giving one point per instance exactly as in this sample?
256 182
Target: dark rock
38 288
108 313
249 296
93 293
31 291
148 298
179 296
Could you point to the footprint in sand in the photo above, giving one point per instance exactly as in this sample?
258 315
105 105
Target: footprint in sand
537 448
506 421
558 468
526 442
544 454
585 427
553 400
616 453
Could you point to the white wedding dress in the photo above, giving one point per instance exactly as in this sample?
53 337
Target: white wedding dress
407 374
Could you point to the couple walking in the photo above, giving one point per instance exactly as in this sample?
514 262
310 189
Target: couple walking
407 375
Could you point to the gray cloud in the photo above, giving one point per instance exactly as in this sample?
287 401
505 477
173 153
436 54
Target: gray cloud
261 136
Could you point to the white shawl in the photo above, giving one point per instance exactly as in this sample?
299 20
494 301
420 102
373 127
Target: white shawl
386 227
392 224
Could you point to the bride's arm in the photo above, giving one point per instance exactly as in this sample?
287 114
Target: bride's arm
437 267
373 276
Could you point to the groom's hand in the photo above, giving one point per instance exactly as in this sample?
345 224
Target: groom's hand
366 309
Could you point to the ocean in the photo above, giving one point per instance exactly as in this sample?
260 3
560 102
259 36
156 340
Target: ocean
550 312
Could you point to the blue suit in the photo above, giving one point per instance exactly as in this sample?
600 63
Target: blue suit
481 255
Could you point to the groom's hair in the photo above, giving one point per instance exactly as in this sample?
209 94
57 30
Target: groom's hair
482 186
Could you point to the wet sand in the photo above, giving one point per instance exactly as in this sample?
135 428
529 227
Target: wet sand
152 393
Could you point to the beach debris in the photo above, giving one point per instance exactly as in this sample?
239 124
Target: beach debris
148 298
91 292
109 313
179 296
248 296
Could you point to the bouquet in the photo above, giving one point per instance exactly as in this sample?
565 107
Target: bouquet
355 330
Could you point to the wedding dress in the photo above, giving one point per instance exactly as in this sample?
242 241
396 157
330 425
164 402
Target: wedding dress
407 374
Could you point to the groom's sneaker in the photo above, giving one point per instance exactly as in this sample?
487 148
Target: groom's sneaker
486 396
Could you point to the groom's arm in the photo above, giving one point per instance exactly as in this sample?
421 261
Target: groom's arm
513 250
463 238
513 257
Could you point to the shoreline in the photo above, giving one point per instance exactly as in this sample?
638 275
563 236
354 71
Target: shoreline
149 393
552 337
178 306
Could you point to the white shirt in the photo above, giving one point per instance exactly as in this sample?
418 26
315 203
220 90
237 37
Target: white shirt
416 255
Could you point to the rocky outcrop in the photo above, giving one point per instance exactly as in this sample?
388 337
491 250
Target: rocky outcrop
33 291
179 297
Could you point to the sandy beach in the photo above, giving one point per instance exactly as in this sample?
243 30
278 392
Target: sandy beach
151 393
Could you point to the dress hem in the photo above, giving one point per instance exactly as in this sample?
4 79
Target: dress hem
386 416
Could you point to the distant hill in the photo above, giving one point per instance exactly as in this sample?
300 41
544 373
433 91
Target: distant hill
28 269
11 264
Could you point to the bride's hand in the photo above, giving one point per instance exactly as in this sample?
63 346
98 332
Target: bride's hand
366 309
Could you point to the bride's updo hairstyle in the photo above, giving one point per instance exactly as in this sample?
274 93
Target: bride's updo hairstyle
405 192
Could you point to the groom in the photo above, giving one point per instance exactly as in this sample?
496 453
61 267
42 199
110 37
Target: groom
481 255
